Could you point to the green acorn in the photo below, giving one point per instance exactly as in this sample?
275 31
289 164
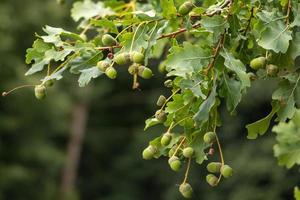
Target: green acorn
49 83
149 152
226 171
214 167
174 163
272 70
137 57
258 63
40 92
161 116
161 100
188 152
108 40
122 58
103 65
145 72
185 8
111 72
168 83
166 139
212 180
209 137
186 190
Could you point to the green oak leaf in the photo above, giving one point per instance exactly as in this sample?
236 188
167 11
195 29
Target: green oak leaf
296 12
183 61
87 74
51 54
169 9
151 122
215 24
294 49
276 37
88 9
286 94
261 126
105 23
232 91
287 149
236 66
203 113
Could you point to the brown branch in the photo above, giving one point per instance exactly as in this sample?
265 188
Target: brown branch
216 53
174 34
289 6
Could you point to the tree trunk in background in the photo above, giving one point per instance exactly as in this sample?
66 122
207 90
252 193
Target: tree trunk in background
77 133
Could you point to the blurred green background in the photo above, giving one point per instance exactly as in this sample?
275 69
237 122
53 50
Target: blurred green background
40 140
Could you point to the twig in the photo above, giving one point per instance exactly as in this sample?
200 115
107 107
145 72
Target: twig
187 171
289 6
216 53
249 21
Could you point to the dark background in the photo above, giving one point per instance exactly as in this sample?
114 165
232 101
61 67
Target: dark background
35 135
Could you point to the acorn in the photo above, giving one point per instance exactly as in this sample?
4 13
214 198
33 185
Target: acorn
49 83
258 63
103 65
188 152
161 116
111 72
161 100
209 137
174 163
40 92
212 180
214 167
108 40
226 171
149 152
166 139
186 190
122 58
185 8
145 72
272 70
137 57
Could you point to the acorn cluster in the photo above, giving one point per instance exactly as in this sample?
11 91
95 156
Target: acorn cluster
180 150
263 63
215 168
136 59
